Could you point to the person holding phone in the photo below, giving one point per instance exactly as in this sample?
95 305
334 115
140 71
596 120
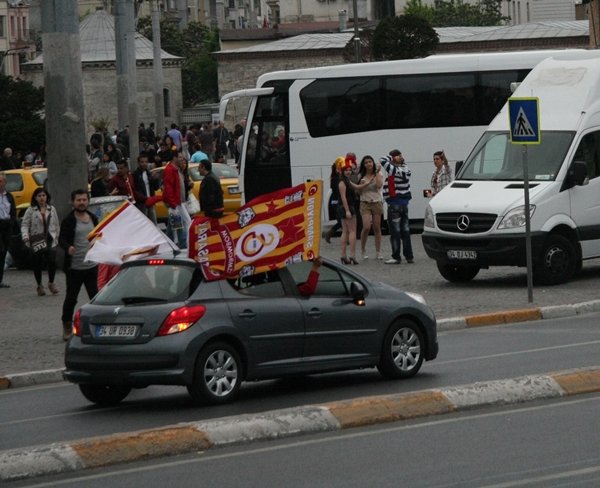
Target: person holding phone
442 175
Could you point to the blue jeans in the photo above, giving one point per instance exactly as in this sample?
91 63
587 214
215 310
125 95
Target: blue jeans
399 231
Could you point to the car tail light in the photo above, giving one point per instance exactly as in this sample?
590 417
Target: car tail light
77 323
181 319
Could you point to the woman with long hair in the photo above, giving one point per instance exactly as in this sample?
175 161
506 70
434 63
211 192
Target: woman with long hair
371 203
39 229
346 210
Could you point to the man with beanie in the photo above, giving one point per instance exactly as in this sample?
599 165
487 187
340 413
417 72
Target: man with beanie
396 192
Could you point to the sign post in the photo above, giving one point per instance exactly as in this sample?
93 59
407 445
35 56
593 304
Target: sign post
524 117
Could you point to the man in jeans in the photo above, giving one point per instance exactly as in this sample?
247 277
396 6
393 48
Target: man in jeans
73 239
396 192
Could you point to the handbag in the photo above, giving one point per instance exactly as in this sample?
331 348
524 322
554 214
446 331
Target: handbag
391 186
192 205
38 242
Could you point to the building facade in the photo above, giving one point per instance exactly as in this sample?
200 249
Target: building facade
16 42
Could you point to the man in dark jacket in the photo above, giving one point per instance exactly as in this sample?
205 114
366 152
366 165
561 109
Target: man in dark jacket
145 184
8 215
73 240
211 193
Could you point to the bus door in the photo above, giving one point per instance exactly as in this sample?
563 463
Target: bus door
266 162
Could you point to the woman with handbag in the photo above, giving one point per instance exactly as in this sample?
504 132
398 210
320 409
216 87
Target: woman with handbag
39 229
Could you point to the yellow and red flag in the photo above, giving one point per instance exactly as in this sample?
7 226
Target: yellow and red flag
269 232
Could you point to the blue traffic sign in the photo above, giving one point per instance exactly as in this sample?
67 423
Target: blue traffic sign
524 117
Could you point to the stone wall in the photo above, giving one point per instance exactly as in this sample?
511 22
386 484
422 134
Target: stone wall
241 70
100 92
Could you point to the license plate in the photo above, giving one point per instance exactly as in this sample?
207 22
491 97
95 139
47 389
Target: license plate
462 254
233 190
116 330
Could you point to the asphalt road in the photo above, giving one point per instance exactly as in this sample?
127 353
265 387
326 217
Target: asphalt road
30 327
58 412
550 444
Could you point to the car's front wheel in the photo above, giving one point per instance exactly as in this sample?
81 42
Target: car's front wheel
105 395
402 350
218 374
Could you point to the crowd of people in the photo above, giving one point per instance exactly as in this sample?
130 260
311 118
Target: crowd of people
43 232
361 189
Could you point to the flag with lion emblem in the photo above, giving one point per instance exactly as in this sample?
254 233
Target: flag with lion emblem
269 232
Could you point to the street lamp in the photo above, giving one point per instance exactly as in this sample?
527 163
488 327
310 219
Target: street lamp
356 38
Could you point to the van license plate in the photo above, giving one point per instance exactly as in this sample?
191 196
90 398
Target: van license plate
462 254
116 330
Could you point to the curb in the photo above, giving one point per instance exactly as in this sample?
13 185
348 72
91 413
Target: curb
494 318
278 424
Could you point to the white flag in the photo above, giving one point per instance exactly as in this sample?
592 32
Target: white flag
126 233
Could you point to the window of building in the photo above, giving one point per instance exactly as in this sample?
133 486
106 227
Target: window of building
2 25
166 102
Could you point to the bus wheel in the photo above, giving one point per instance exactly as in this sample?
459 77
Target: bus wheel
458 273
556 263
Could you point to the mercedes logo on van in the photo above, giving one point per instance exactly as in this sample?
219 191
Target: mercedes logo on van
463 223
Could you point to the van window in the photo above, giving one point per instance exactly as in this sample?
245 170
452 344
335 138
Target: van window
496 158
589 152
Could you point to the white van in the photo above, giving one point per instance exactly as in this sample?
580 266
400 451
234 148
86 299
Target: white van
478 221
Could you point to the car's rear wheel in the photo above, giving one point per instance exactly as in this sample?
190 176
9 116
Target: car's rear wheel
105 395
458 273
402 350
218 374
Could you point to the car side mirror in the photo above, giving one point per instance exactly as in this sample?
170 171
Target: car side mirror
358 293
457 167
577 174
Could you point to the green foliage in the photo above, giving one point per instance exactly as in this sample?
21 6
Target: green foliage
195 44
21 126
403 37
449 13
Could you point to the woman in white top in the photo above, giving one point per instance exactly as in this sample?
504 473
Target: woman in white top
371 203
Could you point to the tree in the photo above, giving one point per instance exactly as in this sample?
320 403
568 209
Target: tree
403 37
194 44
21 125
449 13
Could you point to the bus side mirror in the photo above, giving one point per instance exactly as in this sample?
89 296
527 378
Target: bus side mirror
577 174
458 166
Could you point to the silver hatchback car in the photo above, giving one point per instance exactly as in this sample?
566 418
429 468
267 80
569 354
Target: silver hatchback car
159 322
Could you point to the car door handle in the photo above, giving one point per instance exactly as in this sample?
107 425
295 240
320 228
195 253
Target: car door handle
314 312
247 314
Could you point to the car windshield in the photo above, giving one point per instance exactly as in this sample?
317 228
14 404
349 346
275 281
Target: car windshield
143 284
496 158
39 177
220 170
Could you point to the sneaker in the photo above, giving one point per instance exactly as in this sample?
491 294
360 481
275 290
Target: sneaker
52 288
365 255
4 285
392 261
379 256
410 261
40 291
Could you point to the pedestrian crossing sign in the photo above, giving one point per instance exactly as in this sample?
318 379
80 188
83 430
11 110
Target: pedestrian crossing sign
524 117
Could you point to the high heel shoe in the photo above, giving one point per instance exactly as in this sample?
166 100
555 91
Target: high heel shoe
352 260
345 260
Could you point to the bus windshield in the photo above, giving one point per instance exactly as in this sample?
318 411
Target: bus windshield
496 158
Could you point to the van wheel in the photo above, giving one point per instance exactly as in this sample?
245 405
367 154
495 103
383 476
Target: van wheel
458 273
218 374
557 262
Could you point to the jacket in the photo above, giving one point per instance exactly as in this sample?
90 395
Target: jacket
13 207
140 187
33 224
66 238
171 186
211 196
401 175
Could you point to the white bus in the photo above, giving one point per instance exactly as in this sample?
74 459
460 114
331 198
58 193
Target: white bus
299 121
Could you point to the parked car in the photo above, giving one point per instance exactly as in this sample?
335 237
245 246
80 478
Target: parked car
228 175
160 322
21 183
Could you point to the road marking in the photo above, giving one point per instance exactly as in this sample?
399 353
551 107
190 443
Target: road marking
336 437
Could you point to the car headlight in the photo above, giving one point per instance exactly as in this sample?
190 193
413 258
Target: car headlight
417 297
515 217
428 221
